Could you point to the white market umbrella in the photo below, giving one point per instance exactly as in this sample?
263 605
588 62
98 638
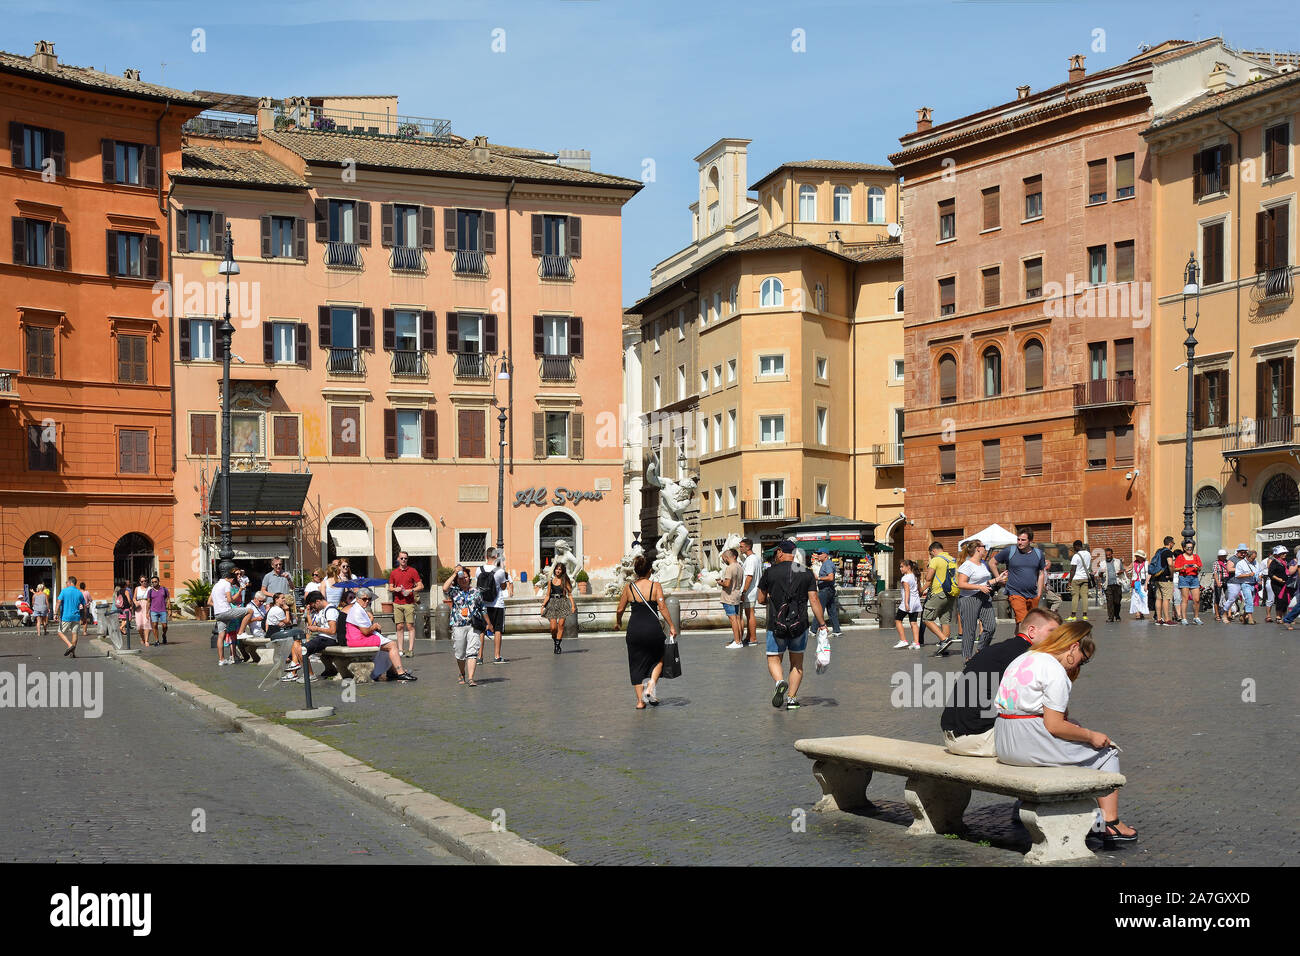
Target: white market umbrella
993 537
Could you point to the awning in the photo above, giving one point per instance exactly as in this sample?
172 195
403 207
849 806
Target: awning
277 492
1284 530
838 549
351 543
416 541
259 550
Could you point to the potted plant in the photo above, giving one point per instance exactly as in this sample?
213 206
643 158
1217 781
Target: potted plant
408 130
582 581
324 124
195 597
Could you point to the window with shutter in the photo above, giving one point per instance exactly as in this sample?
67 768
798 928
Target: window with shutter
1124 358
471 438
1201 412
42 451
133 451
345 431
132 365
993 458
1033 352
992 287
947 380
1124 261
1212 253
1123 444
203 434
1277 140
947 462
1096 448
1034 197
1033 454
1033 278
1124 176
947 219
1097 181
992 372
284 432
992 207
948 296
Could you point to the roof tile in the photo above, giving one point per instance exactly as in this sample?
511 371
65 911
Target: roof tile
84 76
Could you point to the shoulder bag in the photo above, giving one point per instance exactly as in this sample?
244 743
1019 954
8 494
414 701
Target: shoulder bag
672 653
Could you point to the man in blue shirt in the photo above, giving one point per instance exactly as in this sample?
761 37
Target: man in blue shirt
70 601
826 588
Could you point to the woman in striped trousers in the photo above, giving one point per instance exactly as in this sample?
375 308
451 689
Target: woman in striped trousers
975 605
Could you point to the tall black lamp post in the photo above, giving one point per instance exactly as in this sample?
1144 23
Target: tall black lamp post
228 268
1191 290
503 374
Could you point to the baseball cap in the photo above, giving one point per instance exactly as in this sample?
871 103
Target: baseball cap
786 546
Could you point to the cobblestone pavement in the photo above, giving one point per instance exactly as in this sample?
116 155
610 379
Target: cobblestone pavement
711 776
123 787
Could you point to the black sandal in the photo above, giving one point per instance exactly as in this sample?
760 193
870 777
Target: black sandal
1112 834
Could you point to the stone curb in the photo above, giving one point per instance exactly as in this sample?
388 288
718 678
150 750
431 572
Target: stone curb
463 833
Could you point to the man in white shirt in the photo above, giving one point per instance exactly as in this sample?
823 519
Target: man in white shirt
752 571
1241 586
496 608
225 613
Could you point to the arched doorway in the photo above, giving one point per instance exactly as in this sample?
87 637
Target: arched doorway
412 534
554 526
1209 524
895 559
133 556
41 561
348 536
1281 499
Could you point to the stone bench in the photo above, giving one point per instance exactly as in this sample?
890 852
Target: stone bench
352 663
261 646
1058 804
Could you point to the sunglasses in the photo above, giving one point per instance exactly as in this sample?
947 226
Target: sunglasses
1085 659
364 599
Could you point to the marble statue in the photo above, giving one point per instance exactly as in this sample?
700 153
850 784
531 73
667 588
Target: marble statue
672 560
624 574
564 555
709 578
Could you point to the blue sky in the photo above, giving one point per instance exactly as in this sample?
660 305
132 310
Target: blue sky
633 80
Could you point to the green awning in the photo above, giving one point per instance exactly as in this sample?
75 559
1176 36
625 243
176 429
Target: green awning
837 548
884 549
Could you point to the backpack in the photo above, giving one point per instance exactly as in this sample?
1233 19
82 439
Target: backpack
948 585
789 619
123 602
486 582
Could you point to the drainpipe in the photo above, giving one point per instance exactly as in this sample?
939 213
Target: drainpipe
157 141
171 325
1237 268
853 422
510 334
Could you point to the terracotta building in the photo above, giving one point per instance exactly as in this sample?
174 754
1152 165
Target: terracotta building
1028 317
86 442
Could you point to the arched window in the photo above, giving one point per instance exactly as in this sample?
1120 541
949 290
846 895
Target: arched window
771 293
807 204
348 536
412 534
992 372
132 557
1281 499
876 206
733 299
819 297
554 527
1033 352
898 300
41 560
947 379
1209 523
843 204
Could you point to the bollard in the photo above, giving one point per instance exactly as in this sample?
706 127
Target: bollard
441 622
674 611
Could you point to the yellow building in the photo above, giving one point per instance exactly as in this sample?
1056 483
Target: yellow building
1224 169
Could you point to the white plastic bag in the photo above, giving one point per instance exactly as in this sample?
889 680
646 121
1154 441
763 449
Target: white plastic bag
823 650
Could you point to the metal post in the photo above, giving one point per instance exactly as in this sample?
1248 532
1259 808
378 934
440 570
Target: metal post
1189 529
226 553
501 487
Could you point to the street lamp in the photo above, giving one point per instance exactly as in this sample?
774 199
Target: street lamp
503 375
1192 290
228 267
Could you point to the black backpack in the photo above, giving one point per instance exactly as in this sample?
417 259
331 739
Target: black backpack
789 615
486 582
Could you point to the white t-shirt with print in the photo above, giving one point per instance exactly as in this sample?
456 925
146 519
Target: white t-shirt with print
976 573
752 569
1032 681
276 616
913 594
1081 561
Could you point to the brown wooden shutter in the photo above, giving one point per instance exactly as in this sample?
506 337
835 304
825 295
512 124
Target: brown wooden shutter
278 436
539 243
426 228
466 420
992 208
219 233
1288 386
1033 365
152 257
1034 276
182 231
490 334
15 144
539 334
20 241
386 224
390 433
323 319
947 461
59 245
150 161
1201 405
1124 262
575 237
575 435
390 330
992 458
992 287
429 421
1281 228
449 230
1033 454
1198 184
1123 173
125 450
268 342
301 343
203 434
947 377
539 435
575 336
1123 444
340 416
366 329
322 207
489 221
1223 397
1096 179
184 348
266 237
428 331
111 267
1263 242
300 238
947 292
1261 390
1096 445
1225 167
453 333
363 223
1124 358
107 147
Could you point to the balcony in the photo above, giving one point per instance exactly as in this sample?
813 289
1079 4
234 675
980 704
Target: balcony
472 365
409 363
223 124
331 120
557 368
469 263
770 509
343 254
348 363
407 259
8 379
1103 392
1253 436
1273 289
887 456
555 267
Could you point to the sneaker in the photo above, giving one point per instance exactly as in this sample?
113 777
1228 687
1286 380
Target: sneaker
1070 618
289 678
1183 621
223 662
498 660
406 675
733 646
778 695
1197 620
792 703
942 649
915 647
901 644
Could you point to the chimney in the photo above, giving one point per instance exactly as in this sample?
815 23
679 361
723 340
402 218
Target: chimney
265 114
1219 79
479 150
923 116
833 241
131 74
1022 92
44 57
1076 67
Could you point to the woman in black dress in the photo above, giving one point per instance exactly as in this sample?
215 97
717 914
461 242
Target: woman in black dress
645 635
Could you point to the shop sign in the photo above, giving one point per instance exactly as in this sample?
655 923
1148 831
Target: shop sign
537 496
38 562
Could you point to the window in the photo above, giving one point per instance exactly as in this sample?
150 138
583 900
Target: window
132 359
843 204
133 254
133 451
471 547
819 297
823 494
1124 176
681 381
898 369
1097 264
31 146
345 431
1212 255
284 343
406 330
717 306
731 371
342 221
469 333
1033 278
1211 171
1272 246
823 431
1210 410
703 441
1123 358
771 365
771 494
704 382
731 498
947 219
1033 352
771 293
1124 268
807 204
948 296
130 163
406 227
876 206
1277 140
820 365
469 224
947 379
898 301
717 376
1097 360
731 428
992 372
771 429
992 207
993 458
1033 454
40 351
407 432
947 463
657 392
1096 448
717 432
555 334
42 454
1034 197
282 236
1123 444
33 239
203 434
733 300
1097 181
681 324
1274 397
900 418
198 231
557 434
992 286
284 432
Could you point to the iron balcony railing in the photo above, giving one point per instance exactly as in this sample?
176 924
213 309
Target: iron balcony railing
1258 434
409 362
887 456
471 365
220 123
555 267
371 124
770 509
1273 285
343 254
8 376
407 259
346 362
1105 391
467 262
557 368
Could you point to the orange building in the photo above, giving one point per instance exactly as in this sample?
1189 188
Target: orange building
85 385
